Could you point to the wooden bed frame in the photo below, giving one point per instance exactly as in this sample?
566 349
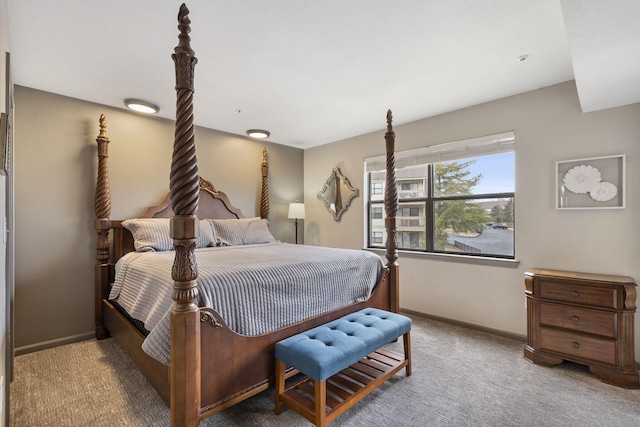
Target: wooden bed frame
212 367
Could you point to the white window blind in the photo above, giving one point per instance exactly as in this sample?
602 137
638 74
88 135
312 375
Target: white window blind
475 147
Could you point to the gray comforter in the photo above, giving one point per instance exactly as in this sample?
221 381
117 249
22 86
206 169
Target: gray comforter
254 288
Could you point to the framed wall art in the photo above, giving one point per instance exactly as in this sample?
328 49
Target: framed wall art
592 183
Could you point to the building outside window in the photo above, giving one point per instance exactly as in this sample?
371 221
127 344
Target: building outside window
455 198
376 187
376 212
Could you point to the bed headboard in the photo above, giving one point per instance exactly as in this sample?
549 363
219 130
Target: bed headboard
212 203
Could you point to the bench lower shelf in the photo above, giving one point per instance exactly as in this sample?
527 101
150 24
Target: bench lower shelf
343 390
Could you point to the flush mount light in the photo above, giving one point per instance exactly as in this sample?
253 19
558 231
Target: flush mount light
258 133
141 106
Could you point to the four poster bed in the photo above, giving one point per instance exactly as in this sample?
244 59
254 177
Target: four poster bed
205 347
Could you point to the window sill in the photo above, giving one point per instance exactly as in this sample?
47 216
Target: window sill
465 259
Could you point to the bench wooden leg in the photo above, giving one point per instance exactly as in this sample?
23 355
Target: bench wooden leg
280 377
406 338
321 402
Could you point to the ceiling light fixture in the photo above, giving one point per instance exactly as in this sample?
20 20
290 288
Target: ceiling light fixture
258 133
141 106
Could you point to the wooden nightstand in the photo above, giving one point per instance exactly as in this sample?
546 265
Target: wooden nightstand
585 318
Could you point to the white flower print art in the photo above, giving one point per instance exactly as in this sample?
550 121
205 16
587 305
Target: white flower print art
603 191
581 179
591 183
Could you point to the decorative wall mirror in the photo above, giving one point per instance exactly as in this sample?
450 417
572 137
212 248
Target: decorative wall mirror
337 194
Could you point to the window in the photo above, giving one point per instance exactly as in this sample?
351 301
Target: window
409 186
455 198
376 212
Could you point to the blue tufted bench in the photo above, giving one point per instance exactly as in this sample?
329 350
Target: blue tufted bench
342 361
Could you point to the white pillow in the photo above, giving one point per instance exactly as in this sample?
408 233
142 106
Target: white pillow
244 231
152 234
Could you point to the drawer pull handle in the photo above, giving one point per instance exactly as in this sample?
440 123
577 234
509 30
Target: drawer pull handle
575 345
575 319
574 294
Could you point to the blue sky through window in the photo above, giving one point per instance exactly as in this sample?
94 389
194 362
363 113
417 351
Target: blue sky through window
498 171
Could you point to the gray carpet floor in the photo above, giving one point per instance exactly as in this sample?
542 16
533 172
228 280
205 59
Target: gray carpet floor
461 377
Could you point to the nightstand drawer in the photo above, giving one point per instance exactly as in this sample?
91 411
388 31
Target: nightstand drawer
577 294
578 319
578 345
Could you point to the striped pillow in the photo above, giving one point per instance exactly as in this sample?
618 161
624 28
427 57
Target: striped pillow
152 234
234 232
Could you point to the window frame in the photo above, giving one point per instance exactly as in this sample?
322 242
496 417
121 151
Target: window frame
429 202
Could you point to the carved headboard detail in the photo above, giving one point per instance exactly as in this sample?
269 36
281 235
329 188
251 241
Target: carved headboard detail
212 204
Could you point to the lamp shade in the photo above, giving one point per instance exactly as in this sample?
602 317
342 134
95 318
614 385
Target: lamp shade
296 210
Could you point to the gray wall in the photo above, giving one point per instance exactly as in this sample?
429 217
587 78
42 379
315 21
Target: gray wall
549 127
56 164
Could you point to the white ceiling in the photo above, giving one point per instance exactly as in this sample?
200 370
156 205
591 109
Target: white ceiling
314 72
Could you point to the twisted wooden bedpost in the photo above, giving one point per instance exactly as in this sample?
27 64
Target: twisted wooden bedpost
264 199
103 223
391 211
185 375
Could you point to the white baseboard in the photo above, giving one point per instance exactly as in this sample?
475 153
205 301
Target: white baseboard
53 343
